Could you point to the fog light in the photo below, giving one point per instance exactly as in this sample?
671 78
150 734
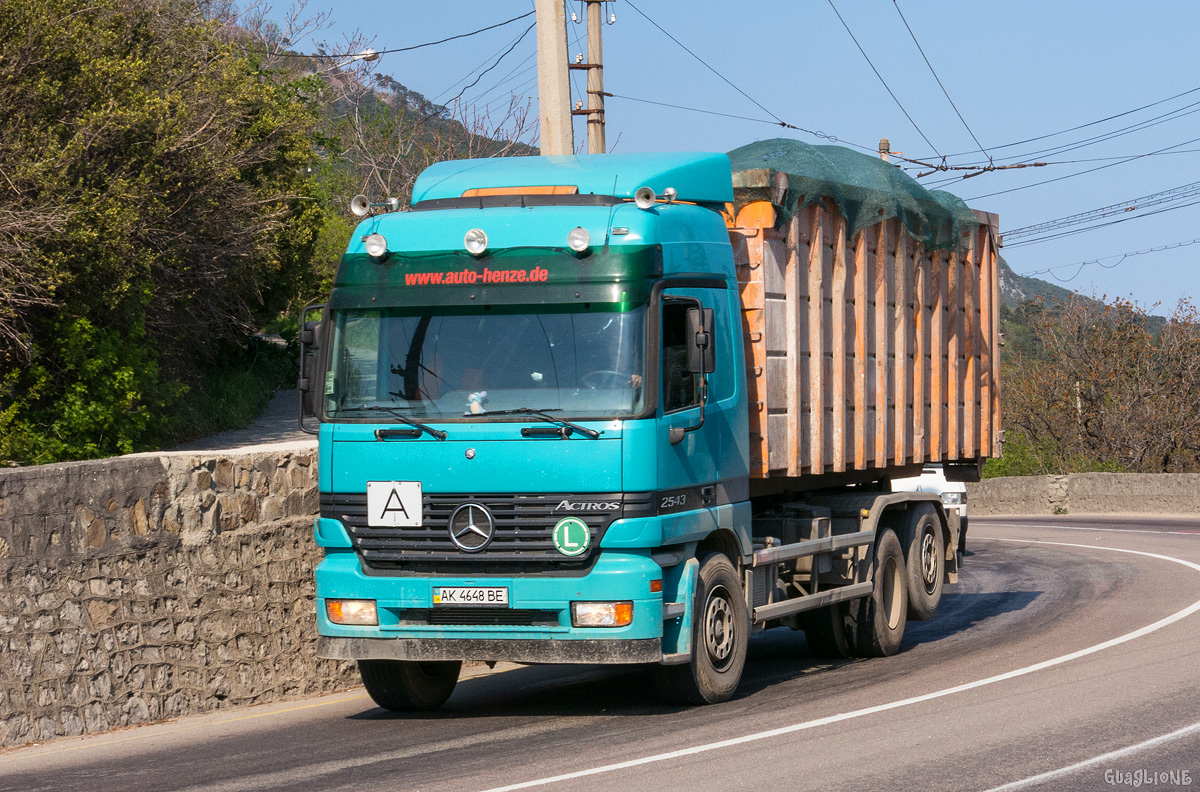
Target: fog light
601 614
360 612
475 241
578 239
376 245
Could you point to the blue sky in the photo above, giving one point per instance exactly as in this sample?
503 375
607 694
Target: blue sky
1016 70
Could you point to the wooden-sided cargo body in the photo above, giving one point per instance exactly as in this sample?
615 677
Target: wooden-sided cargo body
865 352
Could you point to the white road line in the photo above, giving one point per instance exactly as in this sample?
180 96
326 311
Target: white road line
1086 528
1111 755
859 713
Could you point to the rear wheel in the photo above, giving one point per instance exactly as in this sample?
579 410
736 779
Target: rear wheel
876 623
407 685
825 631
721 629
925 559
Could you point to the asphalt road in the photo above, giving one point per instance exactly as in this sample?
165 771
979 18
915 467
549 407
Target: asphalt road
1067 658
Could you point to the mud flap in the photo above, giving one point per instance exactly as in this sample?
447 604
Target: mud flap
677 630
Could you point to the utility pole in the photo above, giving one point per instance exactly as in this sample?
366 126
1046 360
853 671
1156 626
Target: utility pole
595 77
554 88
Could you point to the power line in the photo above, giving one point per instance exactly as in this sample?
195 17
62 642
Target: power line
1083 126
494 65
1172 115
814 132
1100 261
1142 202
705 64
1082 172
413 47
939 80
1075 231
880 76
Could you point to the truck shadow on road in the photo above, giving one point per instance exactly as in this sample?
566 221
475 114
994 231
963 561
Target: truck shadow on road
776 657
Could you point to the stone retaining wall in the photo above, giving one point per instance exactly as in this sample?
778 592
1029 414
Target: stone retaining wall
151 586
154 586
1087 493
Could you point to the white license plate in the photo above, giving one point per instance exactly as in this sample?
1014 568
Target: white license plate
470 595
394 504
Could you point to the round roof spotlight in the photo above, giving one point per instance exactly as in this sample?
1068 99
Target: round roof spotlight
475 241
360 206
670 194
376 245
578 239
643 197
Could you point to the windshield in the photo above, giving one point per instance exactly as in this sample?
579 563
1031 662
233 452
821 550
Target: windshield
461 366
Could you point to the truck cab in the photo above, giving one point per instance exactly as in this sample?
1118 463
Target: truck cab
530 400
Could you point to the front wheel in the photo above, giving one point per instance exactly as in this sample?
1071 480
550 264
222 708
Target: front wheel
408 685
721 629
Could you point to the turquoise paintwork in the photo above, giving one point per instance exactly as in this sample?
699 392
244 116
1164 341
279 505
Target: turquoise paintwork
630 455
697 176
615 576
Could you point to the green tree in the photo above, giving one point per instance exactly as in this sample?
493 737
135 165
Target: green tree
152 214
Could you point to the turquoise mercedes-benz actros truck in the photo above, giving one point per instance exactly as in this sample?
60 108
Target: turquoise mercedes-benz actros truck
610 409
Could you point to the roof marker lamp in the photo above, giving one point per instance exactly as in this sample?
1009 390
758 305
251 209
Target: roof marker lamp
375 245
578 239
476 242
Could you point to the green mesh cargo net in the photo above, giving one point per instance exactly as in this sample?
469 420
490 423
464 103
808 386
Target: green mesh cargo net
865 189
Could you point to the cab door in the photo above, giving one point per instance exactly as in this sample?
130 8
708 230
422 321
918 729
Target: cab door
699 455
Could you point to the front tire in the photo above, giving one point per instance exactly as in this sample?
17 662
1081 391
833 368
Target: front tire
925 559
720 632
408 685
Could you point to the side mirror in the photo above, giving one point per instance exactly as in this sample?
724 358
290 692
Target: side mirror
701 347
311 338
701 359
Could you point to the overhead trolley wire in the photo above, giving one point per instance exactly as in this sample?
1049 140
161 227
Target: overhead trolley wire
1083 126
706 65
1082 172
880 76
939 80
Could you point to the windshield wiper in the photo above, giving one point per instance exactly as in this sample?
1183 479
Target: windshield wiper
437 433
583 430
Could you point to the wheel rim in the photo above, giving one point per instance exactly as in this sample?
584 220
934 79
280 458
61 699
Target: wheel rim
929 562
890 582
719 627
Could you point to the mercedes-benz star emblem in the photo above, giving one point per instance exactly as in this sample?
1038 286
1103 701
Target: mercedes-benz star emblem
471 527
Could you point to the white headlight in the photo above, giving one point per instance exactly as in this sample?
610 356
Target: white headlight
578 239
475 241
375 244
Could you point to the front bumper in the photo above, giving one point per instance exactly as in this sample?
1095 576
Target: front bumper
410 626
516 650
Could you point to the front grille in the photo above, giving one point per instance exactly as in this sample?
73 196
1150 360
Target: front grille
522 542
479 617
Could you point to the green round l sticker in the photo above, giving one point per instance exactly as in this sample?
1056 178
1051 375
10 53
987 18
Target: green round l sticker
571 536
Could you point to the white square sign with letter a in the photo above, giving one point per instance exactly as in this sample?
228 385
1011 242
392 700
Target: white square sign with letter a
394 504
